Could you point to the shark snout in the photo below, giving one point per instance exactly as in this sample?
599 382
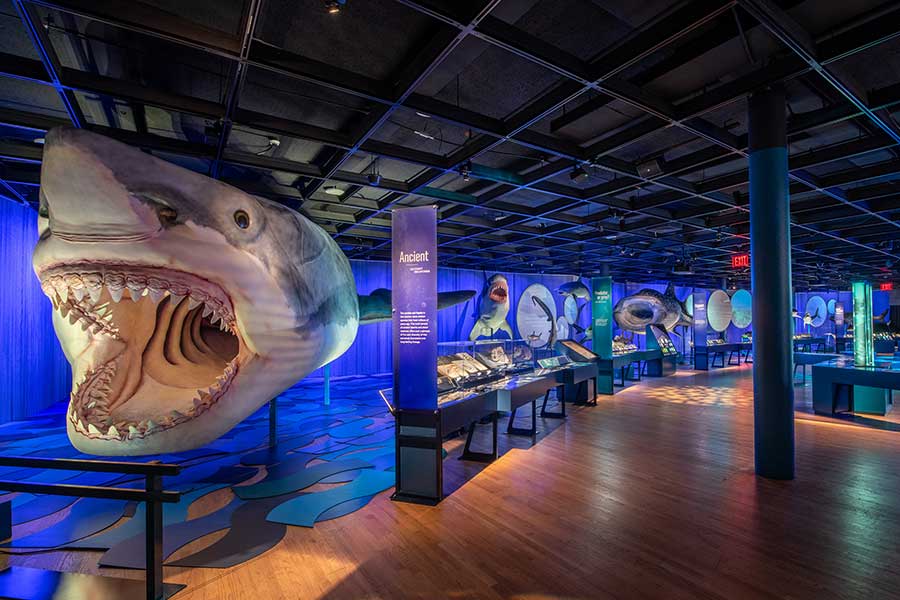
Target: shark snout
83 196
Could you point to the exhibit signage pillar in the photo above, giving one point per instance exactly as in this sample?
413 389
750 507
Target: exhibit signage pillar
863 341
770 266
602 331
601 317
701 357
419 463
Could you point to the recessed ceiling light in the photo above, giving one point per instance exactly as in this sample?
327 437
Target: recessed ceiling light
333 190
423 115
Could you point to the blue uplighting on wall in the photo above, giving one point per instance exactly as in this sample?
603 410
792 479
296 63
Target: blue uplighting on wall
33 371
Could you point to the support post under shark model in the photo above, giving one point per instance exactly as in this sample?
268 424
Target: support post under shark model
182 303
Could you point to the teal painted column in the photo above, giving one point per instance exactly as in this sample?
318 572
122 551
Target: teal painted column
770 249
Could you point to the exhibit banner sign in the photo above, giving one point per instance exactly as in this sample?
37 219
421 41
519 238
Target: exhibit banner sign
602 316
838 314
700 327
414 306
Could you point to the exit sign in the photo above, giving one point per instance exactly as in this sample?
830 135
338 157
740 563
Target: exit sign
739 261
887 286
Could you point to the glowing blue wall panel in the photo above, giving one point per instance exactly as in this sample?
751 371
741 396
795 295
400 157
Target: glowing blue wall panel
33 371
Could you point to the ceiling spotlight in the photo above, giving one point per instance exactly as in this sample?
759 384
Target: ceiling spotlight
466 170
333 190
374 179
39 140
578 175
333 7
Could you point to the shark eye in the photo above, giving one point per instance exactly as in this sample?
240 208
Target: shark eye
242 219
167 214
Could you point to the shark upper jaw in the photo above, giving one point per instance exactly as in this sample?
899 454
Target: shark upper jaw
499 292
153 350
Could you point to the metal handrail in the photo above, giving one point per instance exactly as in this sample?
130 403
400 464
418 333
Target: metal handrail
153 494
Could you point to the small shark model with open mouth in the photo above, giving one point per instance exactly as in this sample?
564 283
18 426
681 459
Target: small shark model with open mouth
181 303
493 307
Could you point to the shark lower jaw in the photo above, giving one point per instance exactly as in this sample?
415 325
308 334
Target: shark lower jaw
151 349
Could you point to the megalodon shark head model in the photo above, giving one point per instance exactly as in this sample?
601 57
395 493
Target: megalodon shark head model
649 307
182 303
492 308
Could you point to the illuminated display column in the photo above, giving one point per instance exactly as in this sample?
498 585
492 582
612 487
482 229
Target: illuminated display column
770 265
863 343
419 466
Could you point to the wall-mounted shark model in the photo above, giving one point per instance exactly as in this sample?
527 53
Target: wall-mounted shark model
649 307
578 291
182 303
806 318
493 306
551 341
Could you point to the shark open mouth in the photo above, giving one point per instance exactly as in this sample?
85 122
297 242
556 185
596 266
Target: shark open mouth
151 348
498 293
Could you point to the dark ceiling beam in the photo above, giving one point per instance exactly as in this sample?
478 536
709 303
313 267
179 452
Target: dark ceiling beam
783 27
413 73
44 48
148 20
249 19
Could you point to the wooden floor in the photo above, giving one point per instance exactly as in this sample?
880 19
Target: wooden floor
650 494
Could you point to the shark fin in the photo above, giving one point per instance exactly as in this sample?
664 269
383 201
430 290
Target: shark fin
376 307
504 326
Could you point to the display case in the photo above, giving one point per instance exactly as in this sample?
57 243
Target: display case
622 346
884 342
661 356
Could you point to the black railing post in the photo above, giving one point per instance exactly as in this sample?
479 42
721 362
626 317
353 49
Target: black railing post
273 422
154 540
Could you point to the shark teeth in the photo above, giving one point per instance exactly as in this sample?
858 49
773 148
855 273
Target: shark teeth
76 295
89 412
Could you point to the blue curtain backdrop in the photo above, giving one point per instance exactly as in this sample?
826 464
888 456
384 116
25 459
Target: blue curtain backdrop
33 371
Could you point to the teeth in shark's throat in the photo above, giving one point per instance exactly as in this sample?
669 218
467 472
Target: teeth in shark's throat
151 361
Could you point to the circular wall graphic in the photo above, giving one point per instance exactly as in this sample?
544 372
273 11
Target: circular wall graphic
817 311
536 315
831 304
689 305
570 310
741 309
718 310
562 328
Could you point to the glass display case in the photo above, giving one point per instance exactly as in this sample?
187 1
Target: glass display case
621 345
497 356
576 352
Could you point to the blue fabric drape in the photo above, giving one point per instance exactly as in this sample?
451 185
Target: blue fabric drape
33 371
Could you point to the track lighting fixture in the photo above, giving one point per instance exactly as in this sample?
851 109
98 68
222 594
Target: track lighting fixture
465 170
374 178
578 174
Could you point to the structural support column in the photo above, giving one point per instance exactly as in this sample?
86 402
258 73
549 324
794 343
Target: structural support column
770 249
